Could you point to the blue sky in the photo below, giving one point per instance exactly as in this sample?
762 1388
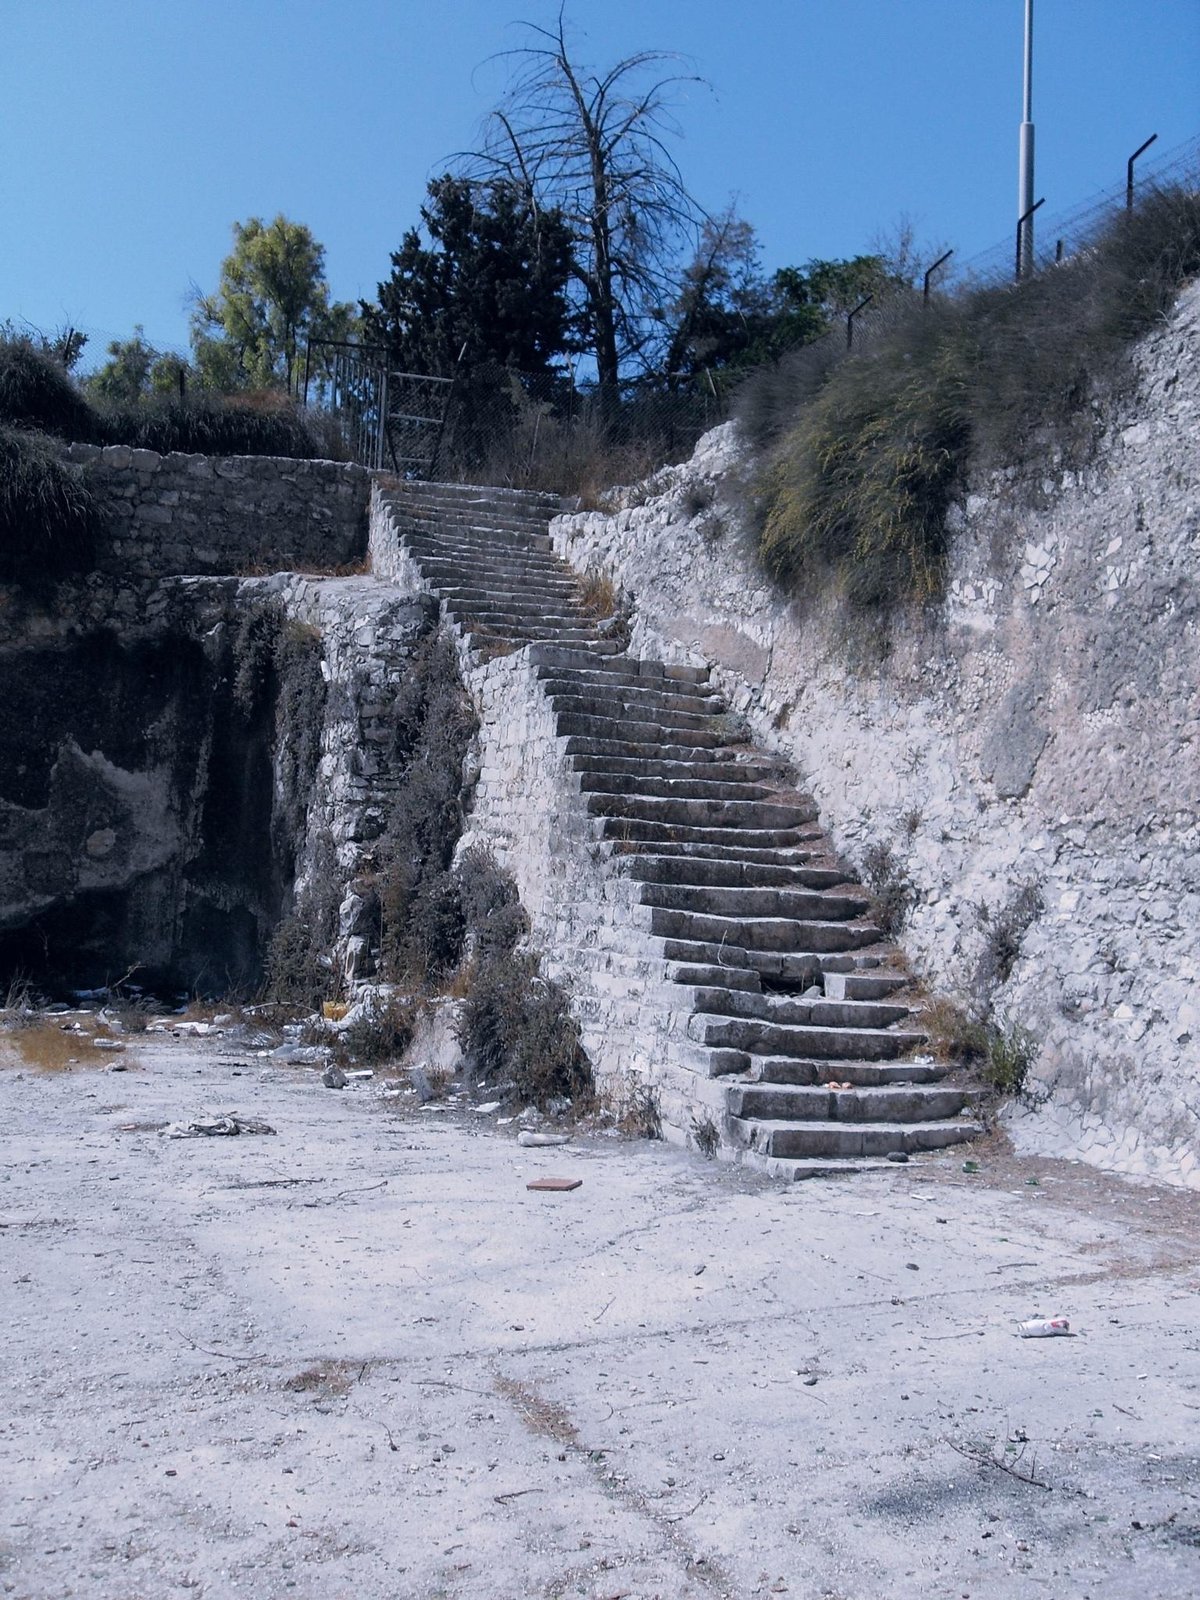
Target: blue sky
134 132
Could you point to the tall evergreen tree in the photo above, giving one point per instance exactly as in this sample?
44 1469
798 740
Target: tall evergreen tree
491 284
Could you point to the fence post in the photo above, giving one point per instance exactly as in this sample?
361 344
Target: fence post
940 262
1141 150
866 301
1021 225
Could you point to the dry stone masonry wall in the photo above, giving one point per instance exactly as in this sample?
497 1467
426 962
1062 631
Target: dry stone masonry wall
1029 751
170 514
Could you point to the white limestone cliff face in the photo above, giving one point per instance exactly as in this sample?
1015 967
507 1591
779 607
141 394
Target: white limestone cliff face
1038 729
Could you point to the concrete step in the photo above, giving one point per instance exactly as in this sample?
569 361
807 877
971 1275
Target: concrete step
794 905
848 1139
605 751
758 1037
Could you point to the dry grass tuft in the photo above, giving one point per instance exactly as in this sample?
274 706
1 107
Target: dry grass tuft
47 1046
539 1415
598 595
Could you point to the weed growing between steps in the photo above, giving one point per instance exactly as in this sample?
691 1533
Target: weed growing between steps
1000 1051
866 455
892 893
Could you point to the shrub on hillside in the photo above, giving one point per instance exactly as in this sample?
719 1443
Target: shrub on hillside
867 453
432 724
37 392
48 517
514 1023
209 425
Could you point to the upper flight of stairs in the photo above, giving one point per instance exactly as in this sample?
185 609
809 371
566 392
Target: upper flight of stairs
796 997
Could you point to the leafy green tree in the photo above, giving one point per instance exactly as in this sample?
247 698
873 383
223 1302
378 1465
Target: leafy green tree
135 370
491 284
272 296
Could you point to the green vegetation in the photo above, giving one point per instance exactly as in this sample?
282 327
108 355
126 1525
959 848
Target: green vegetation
515 1024
864 456
272 296
48 518
38 393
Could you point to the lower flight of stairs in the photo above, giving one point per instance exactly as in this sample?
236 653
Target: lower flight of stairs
797 1000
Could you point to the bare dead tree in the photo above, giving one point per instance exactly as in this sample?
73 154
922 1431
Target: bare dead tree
595 146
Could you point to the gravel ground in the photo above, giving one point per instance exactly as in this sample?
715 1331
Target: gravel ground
360 1358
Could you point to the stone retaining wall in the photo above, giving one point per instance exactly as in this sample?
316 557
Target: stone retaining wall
1039 731
173 514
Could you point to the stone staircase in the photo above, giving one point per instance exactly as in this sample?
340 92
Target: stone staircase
796 999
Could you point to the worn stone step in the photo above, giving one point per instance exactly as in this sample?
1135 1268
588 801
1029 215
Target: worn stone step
796 1171
521 575
631 668
501 617
577 724
648 706
700 976
794 905
798 969
782 934
624 783
759 1037
475 527
727 815
642 699
617 715
848 1139
583 747
732 874
501 594
439 492
788 1011
665 769
810 850
480 547
864 985
823 1069
816 1103
628 831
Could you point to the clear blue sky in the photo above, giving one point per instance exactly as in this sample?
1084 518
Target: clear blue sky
134 132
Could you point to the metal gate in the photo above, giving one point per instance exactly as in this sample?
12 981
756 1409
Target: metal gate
386 419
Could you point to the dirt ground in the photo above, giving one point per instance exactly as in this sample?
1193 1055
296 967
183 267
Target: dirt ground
360 1358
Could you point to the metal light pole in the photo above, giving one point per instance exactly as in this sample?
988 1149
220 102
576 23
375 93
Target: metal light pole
1025 190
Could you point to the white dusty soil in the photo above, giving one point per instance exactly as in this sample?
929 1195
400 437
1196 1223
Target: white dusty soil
360 1359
